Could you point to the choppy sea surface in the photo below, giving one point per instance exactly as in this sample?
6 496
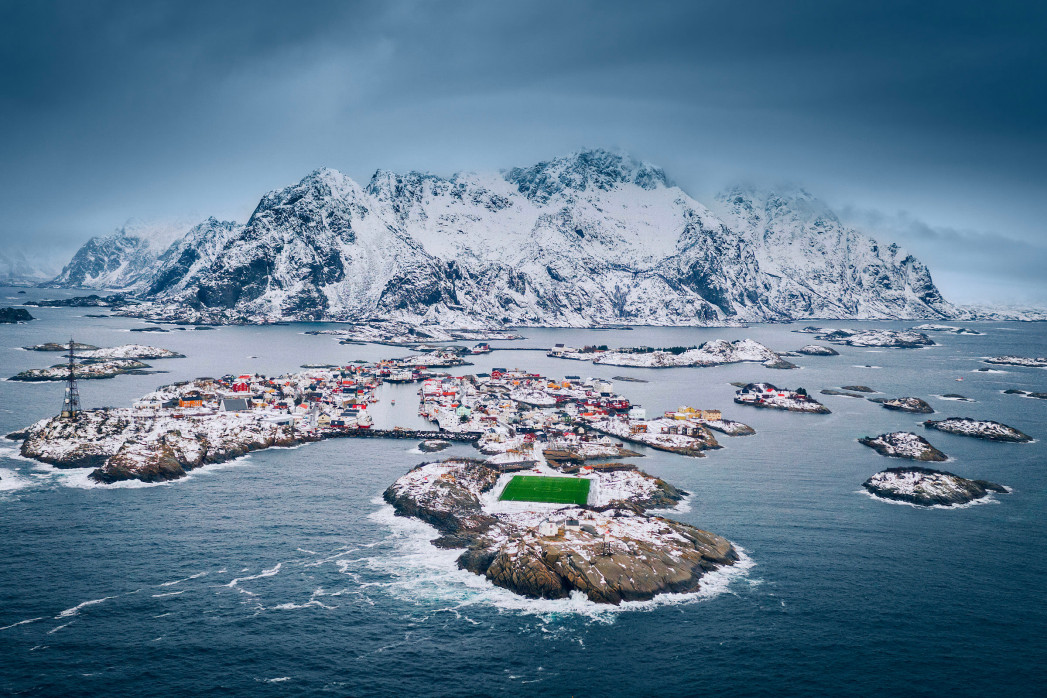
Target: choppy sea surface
284 573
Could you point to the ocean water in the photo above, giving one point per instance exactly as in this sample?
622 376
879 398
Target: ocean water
284 573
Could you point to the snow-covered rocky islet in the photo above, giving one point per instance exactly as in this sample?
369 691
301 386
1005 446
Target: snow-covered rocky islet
928 488
609 550
903 444
978 428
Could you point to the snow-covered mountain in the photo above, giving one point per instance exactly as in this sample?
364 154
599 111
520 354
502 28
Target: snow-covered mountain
816 267
16 267
595 237
121 259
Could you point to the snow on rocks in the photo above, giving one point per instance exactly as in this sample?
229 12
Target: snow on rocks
611 552
147 445
93 362
817 350
904 404
130 351
950 329
685 437
403 333
927 487
903 444
978 428
895 339
768 396
713 353
1039 362
83 371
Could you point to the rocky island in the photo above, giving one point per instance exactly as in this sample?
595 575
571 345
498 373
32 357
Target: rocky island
894 339
1039 362
12 316
903 444
715 352
95 363
817 350
904 404
978 428
117 300
143 444
926 487
770 397
607 548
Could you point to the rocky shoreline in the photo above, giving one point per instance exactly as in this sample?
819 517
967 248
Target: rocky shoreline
611 552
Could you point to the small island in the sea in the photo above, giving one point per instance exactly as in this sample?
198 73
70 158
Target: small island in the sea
95 363
548 535
903 444
717 352
904 404
770 397
978 428
892 339
928 488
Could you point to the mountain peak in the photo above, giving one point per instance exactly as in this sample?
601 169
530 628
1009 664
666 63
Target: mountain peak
584 170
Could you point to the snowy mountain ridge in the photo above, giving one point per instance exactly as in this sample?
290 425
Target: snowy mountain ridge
594 237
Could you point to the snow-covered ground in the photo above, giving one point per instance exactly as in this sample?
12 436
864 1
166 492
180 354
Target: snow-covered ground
1039 362
712 353
980 428
898 339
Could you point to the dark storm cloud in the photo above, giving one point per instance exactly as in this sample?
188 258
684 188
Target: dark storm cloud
164 109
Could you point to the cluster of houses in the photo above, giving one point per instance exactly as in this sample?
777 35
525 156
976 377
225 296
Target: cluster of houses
767 395
512 411
314 399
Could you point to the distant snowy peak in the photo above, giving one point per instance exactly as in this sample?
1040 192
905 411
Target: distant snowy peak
16 267
121 259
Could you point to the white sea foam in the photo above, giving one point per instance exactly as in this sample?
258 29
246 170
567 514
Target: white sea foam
422 572
11 480
186 579
75 610
987 499
954 399
168 593
264 573
682 507
22 622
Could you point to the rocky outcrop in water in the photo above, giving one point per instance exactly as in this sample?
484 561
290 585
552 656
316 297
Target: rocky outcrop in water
978 428
118 300
903 444
926 487
611 553
14 315
816 350
904 404
126 444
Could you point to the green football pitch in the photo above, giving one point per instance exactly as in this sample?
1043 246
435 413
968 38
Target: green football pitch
555 490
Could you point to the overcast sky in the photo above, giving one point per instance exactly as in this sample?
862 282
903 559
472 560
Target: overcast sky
922 122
